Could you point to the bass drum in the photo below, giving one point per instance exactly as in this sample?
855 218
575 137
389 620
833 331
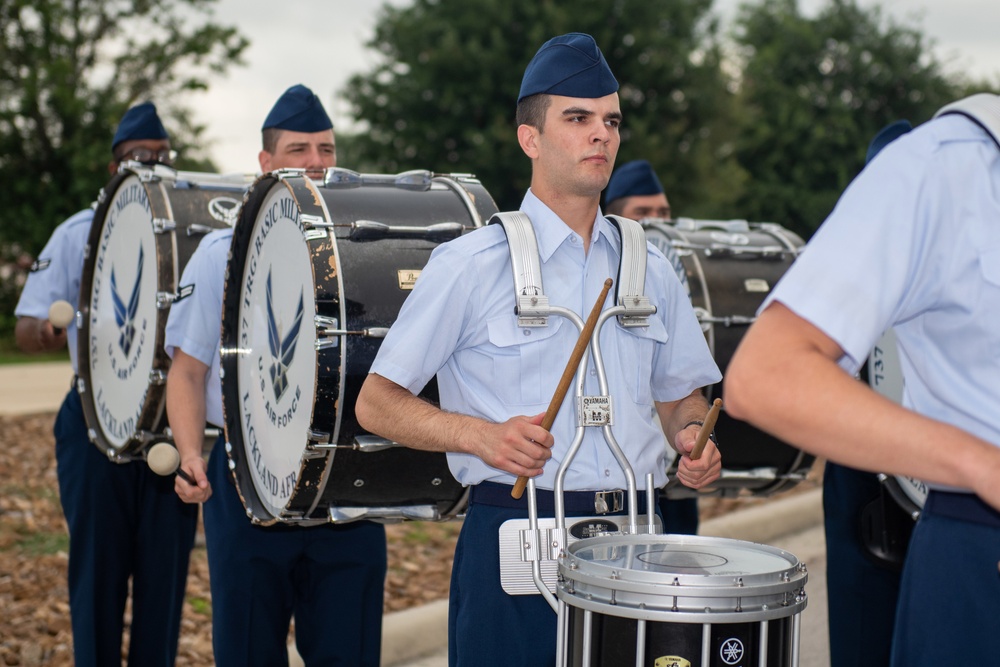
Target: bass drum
148 222
884 373
728 268
317 274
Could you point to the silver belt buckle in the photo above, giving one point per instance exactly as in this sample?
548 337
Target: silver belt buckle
609 502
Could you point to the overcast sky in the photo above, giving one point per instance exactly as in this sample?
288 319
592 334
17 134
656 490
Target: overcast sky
321 43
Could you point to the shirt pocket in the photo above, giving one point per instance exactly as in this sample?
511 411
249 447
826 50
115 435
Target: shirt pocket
519 355
636 349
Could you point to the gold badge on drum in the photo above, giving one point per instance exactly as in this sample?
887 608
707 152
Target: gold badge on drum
671 661
407 278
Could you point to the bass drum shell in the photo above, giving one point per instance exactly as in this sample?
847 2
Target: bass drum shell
317 274
729 267
148 223
679 600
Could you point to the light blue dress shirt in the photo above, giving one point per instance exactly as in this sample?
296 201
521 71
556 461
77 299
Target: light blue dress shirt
914 244
196 320
58 276
459 324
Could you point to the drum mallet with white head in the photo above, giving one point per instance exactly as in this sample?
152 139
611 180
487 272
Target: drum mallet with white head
61 313
164 460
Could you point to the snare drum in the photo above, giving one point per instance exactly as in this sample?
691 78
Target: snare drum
148 222
317 274
679 600
730 267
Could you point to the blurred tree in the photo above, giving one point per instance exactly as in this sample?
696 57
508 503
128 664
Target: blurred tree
68 70
814 91
443 97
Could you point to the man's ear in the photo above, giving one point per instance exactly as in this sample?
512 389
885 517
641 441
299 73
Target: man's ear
112 167
527 136
264 158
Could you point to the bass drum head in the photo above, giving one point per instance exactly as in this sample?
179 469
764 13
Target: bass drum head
276 366
119 341
884 373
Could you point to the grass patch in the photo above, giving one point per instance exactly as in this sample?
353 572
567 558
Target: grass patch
201 606
43 544
11 355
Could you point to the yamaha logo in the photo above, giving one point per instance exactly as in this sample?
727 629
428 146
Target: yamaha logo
731 651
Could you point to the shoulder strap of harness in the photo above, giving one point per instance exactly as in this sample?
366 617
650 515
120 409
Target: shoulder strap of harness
629 290
982 109
532 306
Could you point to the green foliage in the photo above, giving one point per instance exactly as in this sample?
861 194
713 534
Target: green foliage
813 93
68 70
443 97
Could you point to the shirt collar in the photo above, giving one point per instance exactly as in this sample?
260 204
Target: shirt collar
551 232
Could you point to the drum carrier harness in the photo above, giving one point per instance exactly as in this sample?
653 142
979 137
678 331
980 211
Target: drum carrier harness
530 548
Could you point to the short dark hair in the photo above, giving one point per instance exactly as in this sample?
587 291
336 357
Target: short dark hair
269 138
531 110
615 206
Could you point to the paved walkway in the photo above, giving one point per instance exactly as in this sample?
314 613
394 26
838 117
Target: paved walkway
30 388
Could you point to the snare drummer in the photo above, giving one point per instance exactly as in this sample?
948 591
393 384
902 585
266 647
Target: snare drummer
330 577
635 191
124 520
920 228
495 379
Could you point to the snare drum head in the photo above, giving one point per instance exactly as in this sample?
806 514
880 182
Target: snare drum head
643 576
121 312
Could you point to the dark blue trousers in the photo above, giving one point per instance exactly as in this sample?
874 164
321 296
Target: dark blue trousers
124 522
330 578
949 605
680 515
861 593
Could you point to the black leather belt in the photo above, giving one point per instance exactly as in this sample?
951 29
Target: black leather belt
961 506
576 502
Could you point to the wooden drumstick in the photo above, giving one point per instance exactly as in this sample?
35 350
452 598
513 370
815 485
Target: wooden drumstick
706 429
568 373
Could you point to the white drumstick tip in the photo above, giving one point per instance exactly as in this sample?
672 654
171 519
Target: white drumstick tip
61 313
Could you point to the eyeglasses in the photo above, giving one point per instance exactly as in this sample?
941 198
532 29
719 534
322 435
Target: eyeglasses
147 156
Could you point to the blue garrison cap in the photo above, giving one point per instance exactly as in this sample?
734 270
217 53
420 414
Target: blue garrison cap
570 65
299 110
886 136
633 179
139 122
